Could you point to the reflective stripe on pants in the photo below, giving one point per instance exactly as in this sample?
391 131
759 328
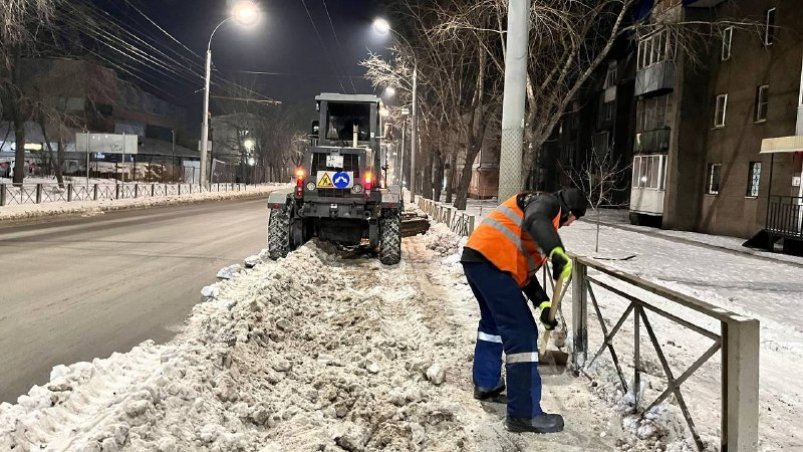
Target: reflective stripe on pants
504 312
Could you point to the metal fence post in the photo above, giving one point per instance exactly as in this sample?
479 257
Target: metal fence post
740 358
116 191
69 192
136 190
38 193
95 192
153 190
579 314
471 224
179 189
2 194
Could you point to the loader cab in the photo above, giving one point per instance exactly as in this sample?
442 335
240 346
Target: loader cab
349 121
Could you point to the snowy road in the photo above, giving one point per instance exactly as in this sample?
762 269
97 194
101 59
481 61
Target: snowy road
76 289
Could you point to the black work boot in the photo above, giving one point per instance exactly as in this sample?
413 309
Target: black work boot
543 423
481 393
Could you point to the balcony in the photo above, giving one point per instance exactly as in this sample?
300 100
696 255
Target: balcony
651 141
659 76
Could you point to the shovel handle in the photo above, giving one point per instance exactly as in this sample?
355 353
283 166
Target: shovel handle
557 297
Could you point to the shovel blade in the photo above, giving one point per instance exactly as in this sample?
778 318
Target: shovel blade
552 362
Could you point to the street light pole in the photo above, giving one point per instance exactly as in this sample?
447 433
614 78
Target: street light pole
414 132
246 14
384 27
205 127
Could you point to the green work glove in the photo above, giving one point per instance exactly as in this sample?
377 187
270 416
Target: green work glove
561 264
546 307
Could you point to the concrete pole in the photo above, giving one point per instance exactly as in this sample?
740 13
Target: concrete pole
513 107
205 127
401 153
414 133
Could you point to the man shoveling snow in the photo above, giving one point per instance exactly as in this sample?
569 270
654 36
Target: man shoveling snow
500 261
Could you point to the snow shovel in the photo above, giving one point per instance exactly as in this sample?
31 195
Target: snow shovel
554 358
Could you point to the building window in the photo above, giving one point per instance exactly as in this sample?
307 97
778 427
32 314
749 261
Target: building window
719 113
654 48
727 39
769 30
652 113
762 103
714 170
753 179
600 142
612 76
649 171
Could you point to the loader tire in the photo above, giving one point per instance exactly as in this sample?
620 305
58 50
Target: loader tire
390 239
278 234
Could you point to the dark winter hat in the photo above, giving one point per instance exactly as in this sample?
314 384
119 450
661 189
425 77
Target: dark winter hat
572 201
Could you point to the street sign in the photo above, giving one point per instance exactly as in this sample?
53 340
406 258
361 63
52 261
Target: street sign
342 180
324 181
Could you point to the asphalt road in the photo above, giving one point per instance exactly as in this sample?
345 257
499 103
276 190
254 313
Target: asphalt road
76 289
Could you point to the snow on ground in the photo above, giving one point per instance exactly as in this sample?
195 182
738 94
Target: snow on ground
17 212
766 289
67 179
318 351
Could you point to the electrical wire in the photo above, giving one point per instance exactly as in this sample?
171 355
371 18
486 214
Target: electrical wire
323 46
337 41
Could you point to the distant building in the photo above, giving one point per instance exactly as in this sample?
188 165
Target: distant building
95 99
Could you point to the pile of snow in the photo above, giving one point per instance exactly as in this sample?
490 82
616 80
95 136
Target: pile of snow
281 357
90 208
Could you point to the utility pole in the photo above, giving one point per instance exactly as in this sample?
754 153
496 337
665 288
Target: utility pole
414 133
513 108
205 127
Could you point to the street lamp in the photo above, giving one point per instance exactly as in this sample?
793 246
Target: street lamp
246 14
382 26
390 92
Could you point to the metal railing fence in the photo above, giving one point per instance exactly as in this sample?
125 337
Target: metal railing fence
49 193
737 341
458 221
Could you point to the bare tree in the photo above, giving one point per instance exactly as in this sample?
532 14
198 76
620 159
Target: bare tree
459 85
20 20
599 177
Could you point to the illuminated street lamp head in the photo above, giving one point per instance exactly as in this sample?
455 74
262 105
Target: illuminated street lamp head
382 26
245 13
249 144
390 91
251 161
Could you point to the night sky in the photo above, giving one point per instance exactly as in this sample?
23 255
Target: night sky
284 44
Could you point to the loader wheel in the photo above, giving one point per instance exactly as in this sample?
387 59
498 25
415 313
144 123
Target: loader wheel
278 234
390 239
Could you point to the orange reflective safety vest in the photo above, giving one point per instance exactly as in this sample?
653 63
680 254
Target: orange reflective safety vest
502 240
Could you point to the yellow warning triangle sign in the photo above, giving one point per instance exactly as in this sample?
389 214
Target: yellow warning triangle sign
325 181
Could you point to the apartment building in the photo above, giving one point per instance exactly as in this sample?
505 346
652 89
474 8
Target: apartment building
704 109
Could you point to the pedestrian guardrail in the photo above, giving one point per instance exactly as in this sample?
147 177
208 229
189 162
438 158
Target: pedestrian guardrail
458 221
47 193
737 341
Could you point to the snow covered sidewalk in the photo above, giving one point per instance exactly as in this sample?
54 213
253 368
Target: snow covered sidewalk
769 290
20 212
318 351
